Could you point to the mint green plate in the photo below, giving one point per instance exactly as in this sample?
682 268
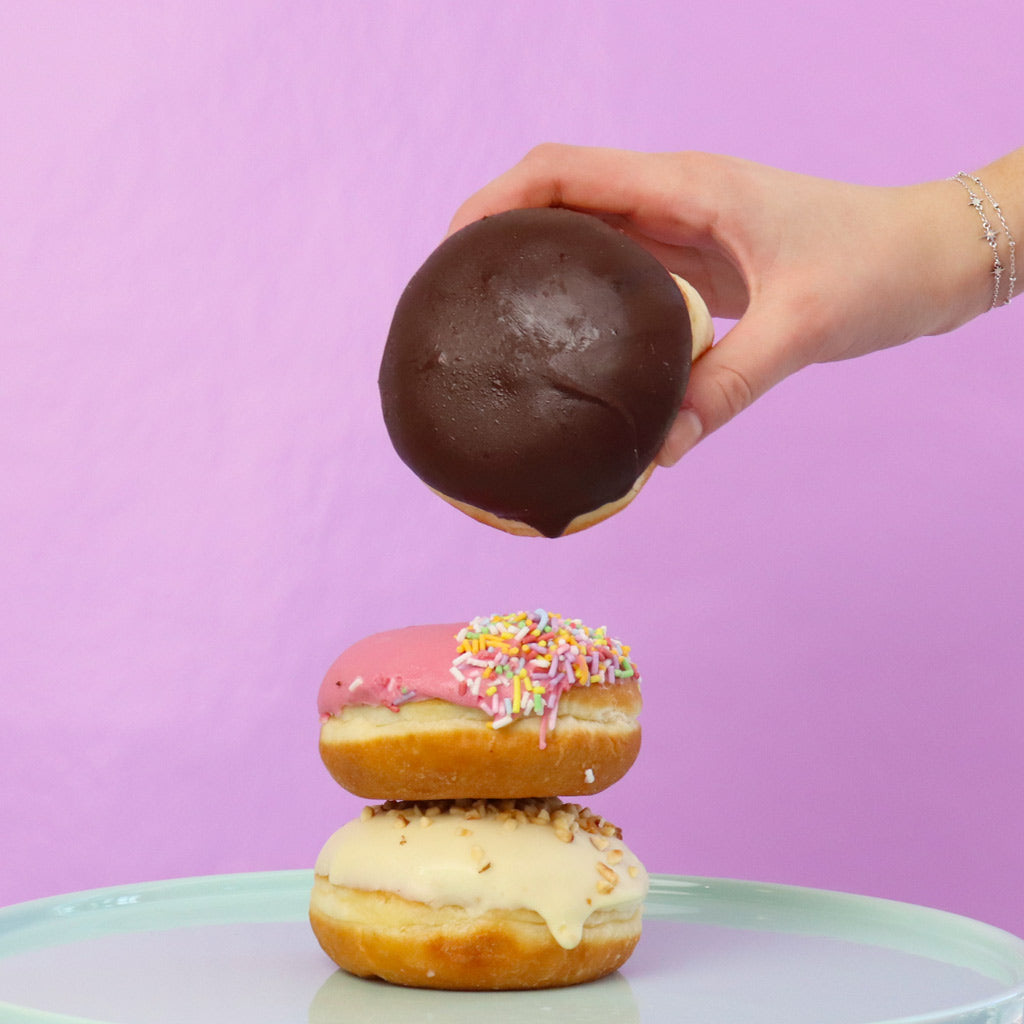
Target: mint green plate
237 948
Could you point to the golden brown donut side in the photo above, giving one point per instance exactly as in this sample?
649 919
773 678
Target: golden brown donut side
379 934
433 750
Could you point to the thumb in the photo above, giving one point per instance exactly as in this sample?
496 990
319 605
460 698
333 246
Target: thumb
752 358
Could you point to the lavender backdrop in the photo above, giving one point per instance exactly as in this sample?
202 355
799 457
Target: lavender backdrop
207 212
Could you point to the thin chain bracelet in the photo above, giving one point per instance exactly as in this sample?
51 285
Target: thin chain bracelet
1010 240
990 235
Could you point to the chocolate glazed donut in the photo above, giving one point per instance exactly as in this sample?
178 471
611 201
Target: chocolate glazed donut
534 365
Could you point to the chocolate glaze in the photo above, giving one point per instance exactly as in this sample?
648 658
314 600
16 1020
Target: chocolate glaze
534 365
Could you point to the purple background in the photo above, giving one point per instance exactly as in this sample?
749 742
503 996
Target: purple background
207 212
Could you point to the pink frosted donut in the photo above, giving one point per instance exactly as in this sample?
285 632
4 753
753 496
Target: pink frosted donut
523 705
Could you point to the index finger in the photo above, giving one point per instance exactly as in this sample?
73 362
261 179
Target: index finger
592 179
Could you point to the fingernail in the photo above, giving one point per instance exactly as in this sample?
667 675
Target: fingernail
684 433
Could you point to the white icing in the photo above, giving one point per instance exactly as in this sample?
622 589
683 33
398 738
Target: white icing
487 864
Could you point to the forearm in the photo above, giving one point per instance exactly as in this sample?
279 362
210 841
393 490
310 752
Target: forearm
916 261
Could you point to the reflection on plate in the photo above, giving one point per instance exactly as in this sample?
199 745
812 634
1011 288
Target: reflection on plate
344 998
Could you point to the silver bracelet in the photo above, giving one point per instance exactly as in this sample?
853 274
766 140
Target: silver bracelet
1010 240
990 235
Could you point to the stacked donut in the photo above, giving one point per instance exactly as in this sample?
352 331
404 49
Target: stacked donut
472 873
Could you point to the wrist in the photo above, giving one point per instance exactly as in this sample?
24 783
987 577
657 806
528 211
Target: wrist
980 225
999 188
954 261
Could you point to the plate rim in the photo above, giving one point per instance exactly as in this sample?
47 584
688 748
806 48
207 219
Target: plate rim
223 899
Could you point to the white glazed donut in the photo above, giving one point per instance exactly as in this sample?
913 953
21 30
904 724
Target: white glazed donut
478 895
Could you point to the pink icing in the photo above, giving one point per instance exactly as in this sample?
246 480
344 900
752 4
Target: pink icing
510 667
418 658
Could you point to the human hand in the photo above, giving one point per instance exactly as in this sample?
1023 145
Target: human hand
813 270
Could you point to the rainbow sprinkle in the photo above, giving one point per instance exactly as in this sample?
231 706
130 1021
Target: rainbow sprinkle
519 665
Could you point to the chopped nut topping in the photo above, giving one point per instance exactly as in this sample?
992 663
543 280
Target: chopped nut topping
604 888
634 871
425 821
608 874
463 832
614 856
477 853
566 819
